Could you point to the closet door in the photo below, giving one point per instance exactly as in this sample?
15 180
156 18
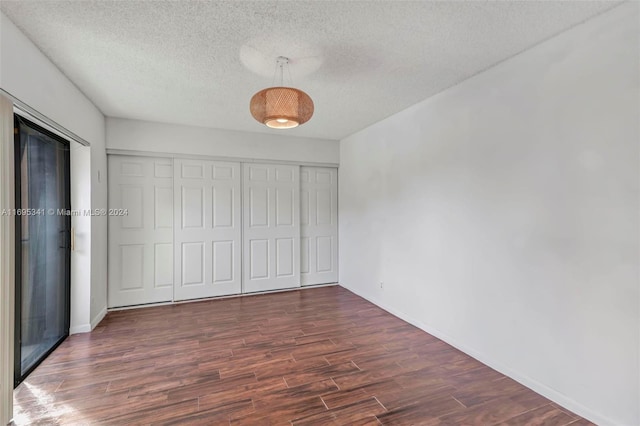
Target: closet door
140 230
207 229
318 225
271 213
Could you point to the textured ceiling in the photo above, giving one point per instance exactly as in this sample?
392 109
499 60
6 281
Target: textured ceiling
199 62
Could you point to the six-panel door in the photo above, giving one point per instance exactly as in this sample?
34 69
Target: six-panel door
318 225
271 222
196 228
140 230
207 229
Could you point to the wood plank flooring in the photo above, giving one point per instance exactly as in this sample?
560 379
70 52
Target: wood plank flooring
319 356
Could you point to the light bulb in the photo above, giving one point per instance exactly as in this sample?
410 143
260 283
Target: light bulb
279 123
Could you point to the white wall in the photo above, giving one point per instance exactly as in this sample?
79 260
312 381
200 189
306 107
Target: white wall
29 76
503 216
148 136
81 255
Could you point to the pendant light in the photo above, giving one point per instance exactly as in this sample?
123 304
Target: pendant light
281 107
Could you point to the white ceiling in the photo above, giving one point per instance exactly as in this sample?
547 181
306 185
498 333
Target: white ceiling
199 62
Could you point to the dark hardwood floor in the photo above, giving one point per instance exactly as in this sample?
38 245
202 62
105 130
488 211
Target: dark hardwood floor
319 356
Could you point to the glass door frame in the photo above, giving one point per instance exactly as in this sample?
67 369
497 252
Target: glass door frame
19 378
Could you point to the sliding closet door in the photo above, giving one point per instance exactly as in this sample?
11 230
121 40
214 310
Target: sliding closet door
140 230
319 225
208 229
271 210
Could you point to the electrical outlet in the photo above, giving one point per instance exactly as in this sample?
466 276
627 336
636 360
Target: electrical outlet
381 284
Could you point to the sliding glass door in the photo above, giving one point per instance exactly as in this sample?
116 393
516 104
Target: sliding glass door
42 244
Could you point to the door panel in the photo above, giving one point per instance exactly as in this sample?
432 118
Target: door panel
140 241
304 255
271 227
42 244
223 207
285 257
223 259
259 259
132 197
284 207
207 217
319 229
259 207
163 261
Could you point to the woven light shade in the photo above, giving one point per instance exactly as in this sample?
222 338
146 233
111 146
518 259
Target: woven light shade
281 107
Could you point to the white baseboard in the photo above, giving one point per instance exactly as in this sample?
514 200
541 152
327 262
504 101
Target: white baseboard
82 328
98 318
230 296
523 379
86 328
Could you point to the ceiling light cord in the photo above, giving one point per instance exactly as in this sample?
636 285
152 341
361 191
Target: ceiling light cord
289 71
281 74
275 73
281 61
